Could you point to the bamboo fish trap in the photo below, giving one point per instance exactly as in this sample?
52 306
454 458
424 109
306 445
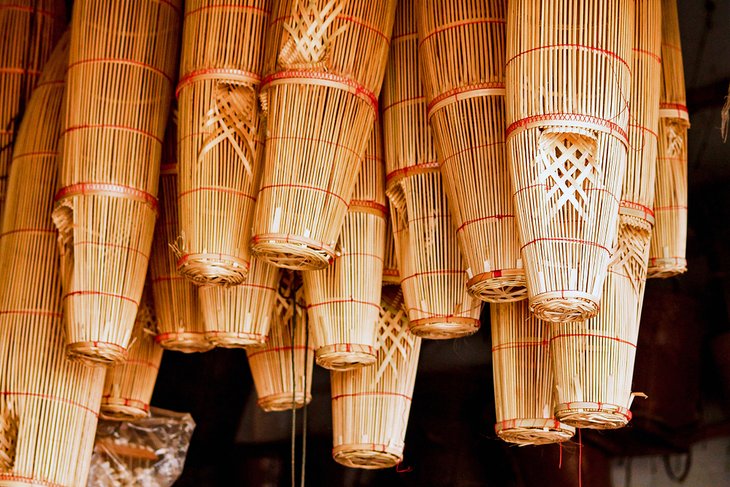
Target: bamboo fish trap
370 406
523 378
284 381
432 270
462 55
29 30
121 64
220 147
667 256
128 387
344 299
391 275
593 361
48 405
568 89
240 316
325 63
179 317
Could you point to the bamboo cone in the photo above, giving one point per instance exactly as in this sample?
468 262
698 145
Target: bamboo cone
568 91
128 387
325 63
462 53
219 142
48 405
29 30
370 406
279 379
240 316
119 88
523 378
344 299
180 324
667 257
593 361
391 275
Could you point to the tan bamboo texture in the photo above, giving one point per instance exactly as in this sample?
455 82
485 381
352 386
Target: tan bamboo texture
282 368
128 387
370 405
667 256
462 53
220 146
593 361
568 93
391 275
432 269
240 316
524 383
122 61
48 405
29 30
324 64
344 298
180 324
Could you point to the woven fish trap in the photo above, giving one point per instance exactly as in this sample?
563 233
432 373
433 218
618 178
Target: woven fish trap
48 405
240 316
667 256
344 298
637 199
391 275
325 63
29 30
220 147
371 405
282 368
180 324
465 94
523 377
568 89
119 91
128 387
593 361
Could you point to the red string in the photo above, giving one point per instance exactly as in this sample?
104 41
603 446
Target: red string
221 73
99 293
569 240
217 190
279 349
361 23
113 246
404 100
229 7
461 90
27 8
339 301
580 459
115 127
460 24
655 56
304 186
560 458
372 393
565 116
28 72
49 397
525 344
469 149
604 337
477 220
580 46
430 273
28 230
27 480
130 62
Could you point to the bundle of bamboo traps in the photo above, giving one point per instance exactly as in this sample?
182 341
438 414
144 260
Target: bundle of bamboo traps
523 377
462 54
593 361
432 269
128 387
220 147
324 65
240 316
179 317
48 405
667 257
344 299
282 369
370 406
391 275
120 71
568 89
30 30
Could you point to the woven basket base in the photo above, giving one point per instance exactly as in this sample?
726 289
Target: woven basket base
96 354
282 401
121 412
332 357
592 418
535 436
185 342
296 256
663 268
360 456
235 340
549 307
444 328
503 289
213 269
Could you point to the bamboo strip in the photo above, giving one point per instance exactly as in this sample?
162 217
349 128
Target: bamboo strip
219 136
280 380
524 383
128 387
667 256
568 92
391 275
240 316
48 405
462 53
324 64
370 406
120 73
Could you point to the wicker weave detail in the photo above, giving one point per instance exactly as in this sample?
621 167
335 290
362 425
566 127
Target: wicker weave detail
310 34
8 436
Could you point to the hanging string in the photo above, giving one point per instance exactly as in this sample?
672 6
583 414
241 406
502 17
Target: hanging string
560 457
291 296
580 459
304 412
